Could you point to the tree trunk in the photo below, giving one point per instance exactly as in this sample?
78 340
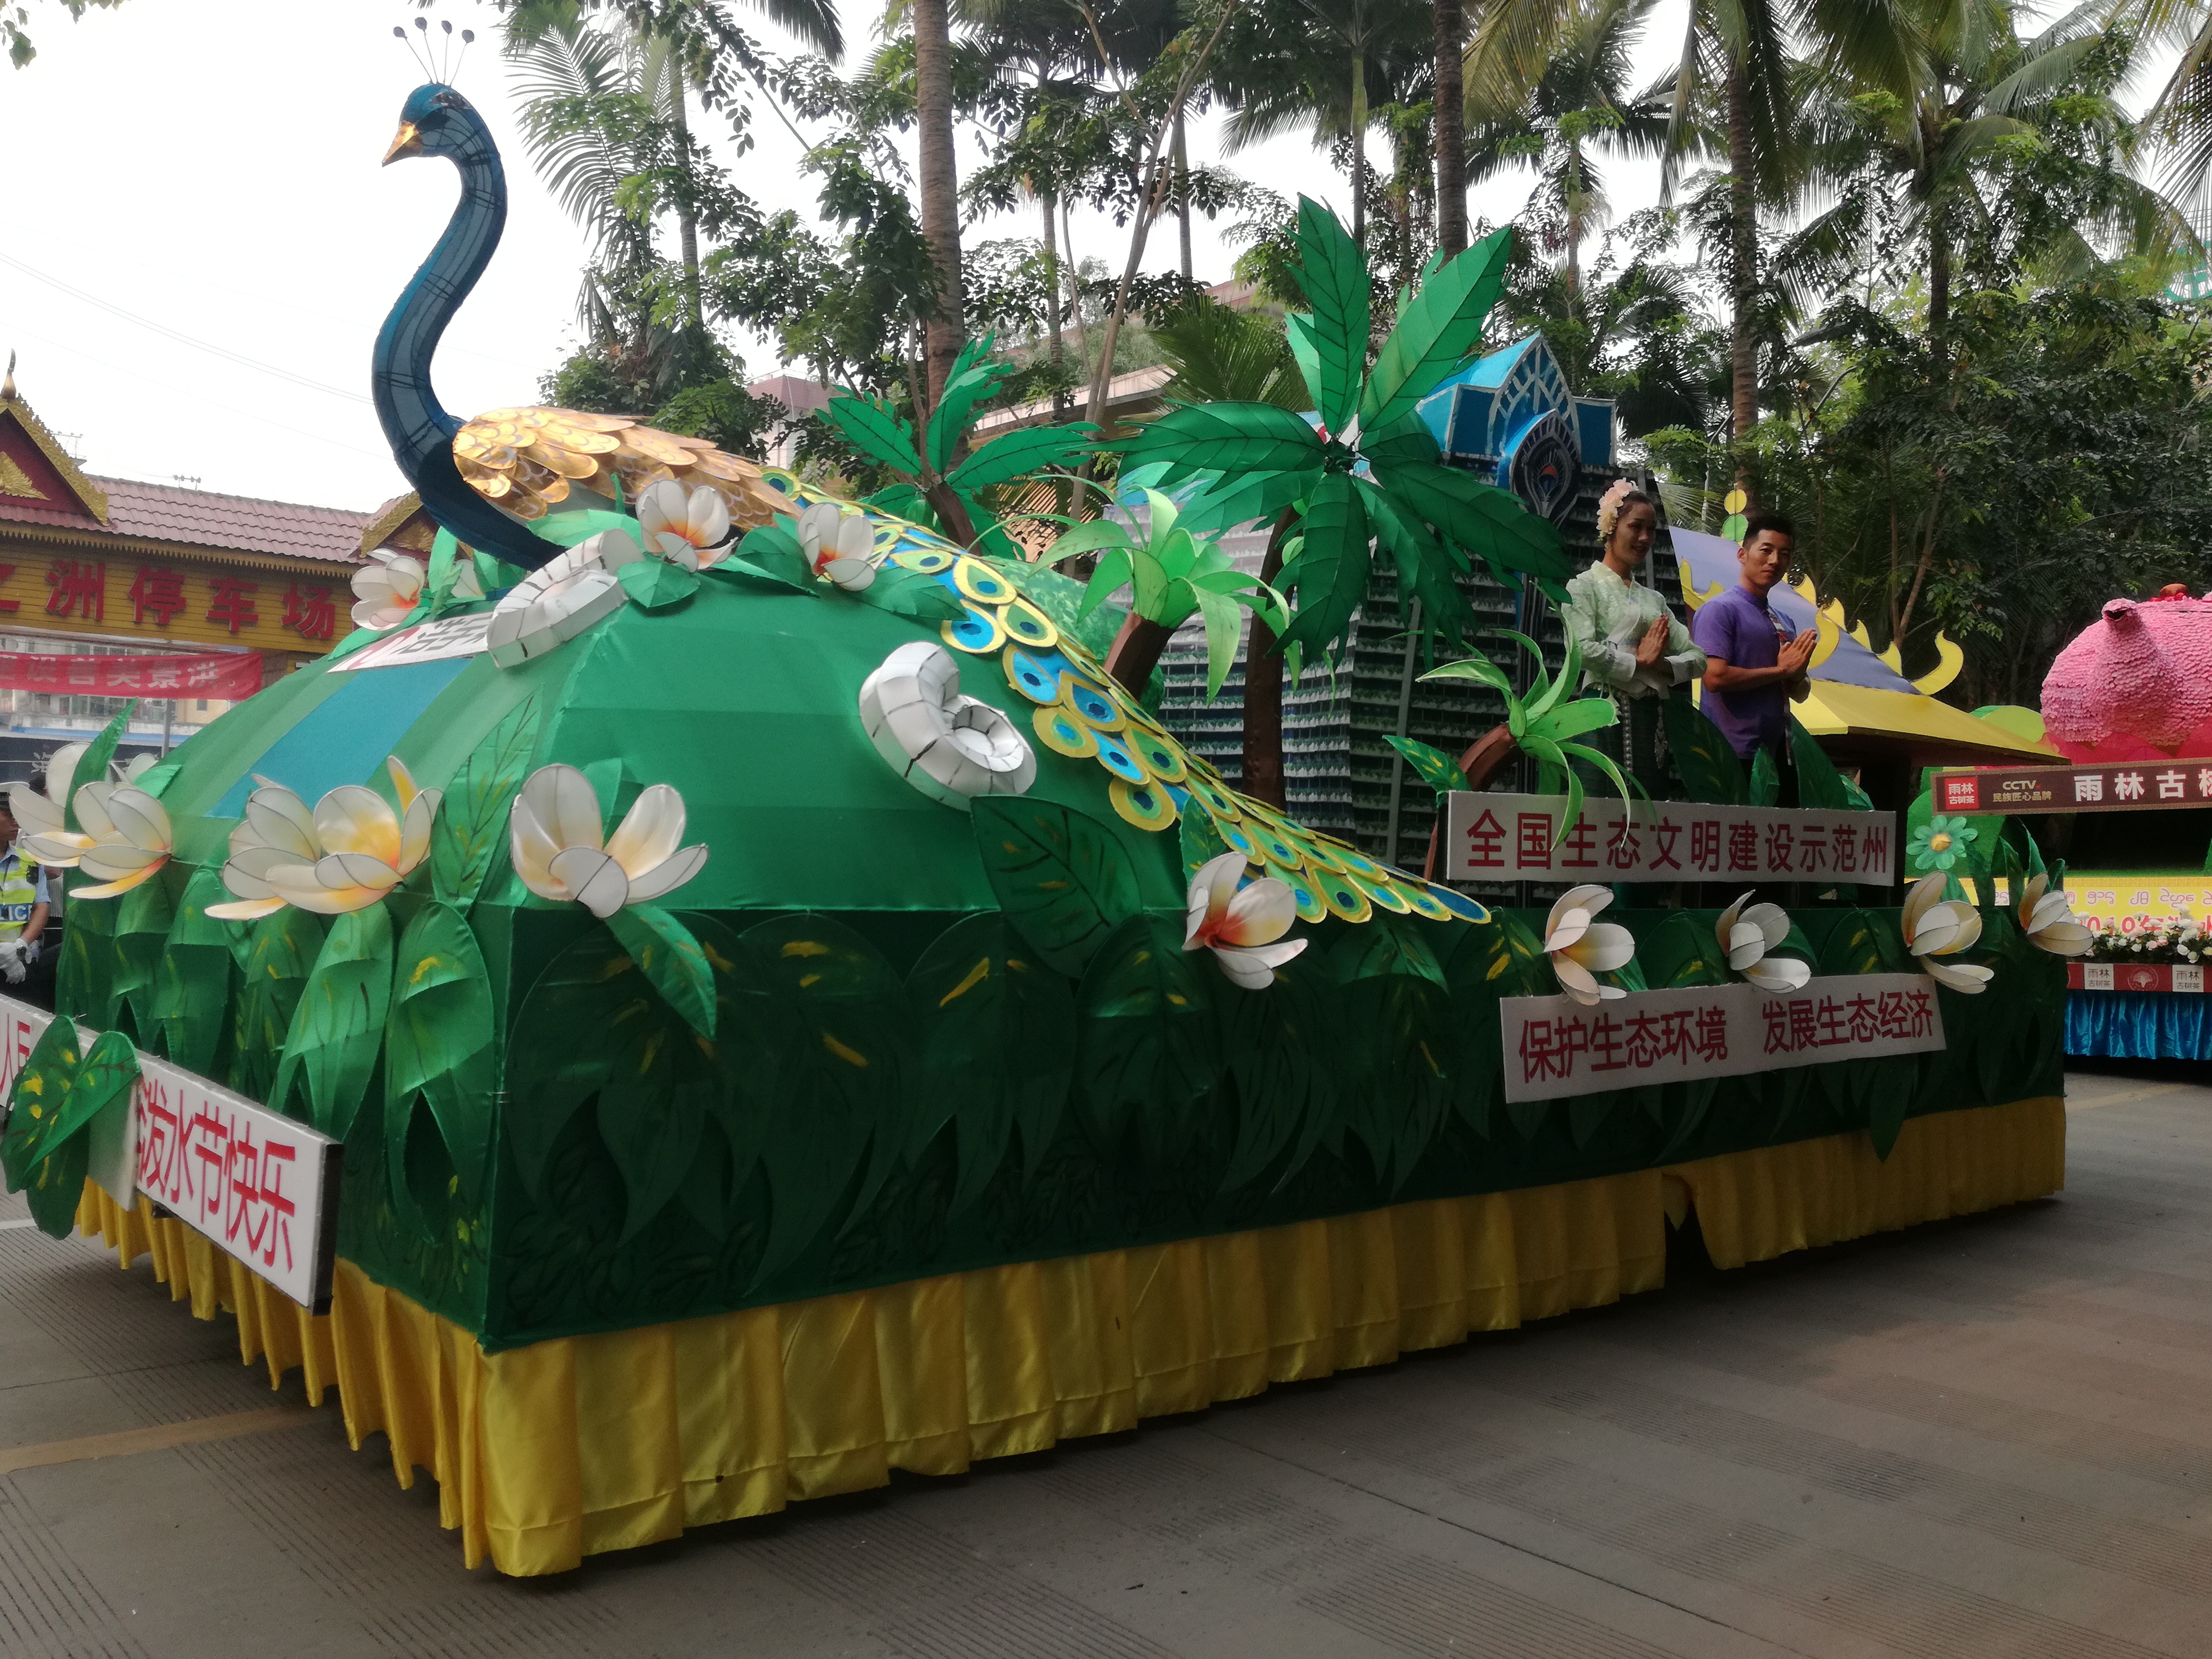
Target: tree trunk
1359 147
947 330
1574 225
1183 190
687 212
1136 652
1451 122
1054 350
1743 278
1071 277
1939 275
1263 688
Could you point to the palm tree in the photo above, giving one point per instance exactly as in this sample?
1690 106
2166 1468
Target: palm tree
946 331
1580 101
1451 127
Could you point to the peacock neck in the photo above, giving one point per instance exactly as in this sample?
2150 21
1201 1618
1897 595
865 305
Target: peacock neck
415 424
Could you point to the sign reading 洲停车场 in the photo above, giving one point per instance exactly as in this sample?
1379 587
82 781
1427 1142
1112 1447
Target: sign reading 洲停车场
257 1185
1556 1046
1512 838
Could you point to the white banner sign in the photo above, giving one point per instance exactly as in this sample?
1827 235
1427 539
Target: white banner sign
257 1185
1510 838
1556 1046
432 641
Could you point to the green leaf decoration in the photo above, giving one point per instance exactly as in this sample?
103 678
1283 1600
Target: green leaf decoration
1404 1052
1330 573
1061 598
337 1026
1500 957
1201 843
1434 767
656 585
102 1079
1332 344
84 977
1148 1047
470 827
1025 450
156 778
192 979
1819 783
40 1091
849 1049
1481 518
143 919
1226 438
281 953
593 1027
441 1043
970 382
671 959
1427 567
1436 330
995 1048
1766 778
1061 877
1681 950
910 593
1708 769
92 765
1387 945
774 552
56 1186
1857 942
1284 1046
872 429
904 500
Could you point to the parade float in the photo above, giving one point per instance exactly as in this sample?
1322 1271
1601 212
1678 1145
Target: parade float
2128 706
710 995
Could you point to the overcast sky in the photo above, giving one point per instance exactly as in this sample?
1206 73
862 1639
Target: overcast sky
202 244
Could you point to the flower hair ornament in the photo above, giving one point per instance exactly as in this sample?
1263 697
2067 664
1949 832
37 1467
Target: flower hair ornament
1608 508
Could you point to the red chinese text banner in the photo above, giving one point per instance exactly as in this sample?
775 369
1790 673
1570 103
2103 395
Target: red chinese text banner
229 677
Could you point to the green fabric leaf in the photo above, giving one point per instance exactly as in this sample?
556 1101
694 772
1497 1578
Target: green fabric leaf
1148 1047
337 1026
1284 1047
56 1186
968 385
1387 945
470 827
102 1077
1061 598
671 959
1332 276
995 1046
1708 768
281 953
156 778
1500 957
1400 1083
774 550
1766 778
1061 877
1681 950
1329 574
441 1042
35 1102
656 585
1568 720
1482 671
1434 767
910 593
1201 841
84 977
1223 618
1427 569
1436 330
869 428
1819 783
904 500
192 978
142 922
92 765
844 1094
1234 438
1481 518
1022 451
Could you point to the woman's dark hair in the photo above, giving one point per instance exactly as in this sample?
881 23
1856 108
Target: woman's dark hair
1780 523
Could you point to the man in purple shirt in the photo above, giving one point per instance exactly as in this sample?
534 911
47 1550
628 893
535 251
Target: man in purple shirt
1754 668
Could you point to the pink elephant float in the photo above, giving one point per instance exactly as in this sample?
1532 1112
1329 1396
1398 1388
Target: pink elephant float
2136 686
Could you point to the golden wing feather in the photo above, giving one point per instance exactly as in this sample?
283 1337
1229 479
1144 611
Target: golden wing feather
526 460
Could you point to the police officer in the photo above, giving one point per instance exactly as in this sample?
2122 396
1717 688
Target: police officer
22 919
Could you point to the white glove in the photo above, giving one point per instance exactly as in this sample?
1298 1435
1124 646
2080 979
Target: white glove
12 965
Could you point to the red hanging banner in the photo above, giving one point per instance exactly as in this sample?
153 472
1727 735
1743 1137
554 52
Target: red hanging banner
231 677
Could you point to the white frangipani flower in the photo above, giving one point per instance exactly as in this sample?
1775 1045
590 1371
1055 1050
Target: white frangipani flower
347 853
837 545
684 530
1582 948
1748 934
560 851
129 834
1936 926
1242 925
2047 919
43 815
385 592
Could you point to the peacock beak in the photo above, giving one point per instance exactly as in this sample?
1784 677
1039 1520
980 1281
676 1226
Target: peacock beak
408 141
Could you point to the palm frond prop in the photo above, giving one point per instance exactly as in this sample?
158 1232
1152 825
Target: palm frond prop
1171 575
935 485
1366 472
1543 723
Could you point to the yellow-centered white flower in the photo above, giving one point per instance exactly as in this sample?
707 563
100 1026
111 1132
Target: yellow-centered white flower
1242 925
386 591
837 545
560 851
1582 948
1747 933
347 853
130 837
1935 926
2047 919
683 529
43 815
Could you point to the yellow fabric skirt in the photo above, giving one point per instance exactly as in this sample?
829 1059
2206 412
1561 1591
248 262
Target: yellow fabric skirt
546 1453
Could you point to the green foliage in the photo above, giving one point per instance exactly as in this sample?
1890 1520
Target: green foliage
1060 877
280 953
673 961
470 827
143 919
1329 573
45 1150
1330 344
337 1026
657 584
1147 1048
1708 768
1435 767
1436 330
1766 787
439 1045
92 766
1284 1046
192 982
1543 721
1819 783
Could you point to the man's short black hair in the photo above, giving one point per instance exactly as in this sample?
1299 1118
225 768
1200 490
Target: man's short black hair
1780 523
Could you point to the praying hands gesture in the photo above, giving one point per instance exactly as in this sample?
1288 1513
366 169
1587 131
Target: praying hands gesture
1795 655
1653 645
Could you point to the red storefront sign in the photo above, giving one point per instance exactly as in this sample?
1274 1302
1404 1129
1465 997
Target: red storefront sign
2134 976
230 678
2127 788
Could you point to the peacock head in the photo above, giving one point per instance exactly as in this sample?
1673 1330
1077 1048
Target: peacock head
434 121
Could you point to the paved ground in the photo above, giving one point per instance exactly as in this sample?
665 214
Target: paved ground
1992 1436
